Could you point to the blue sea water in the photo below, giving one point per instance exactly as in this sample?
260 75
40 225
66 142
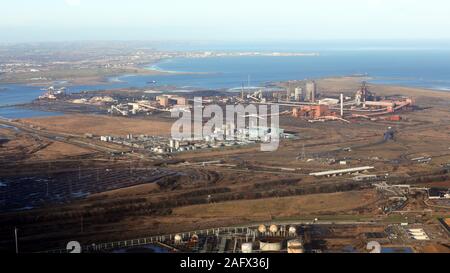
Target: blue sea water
416 67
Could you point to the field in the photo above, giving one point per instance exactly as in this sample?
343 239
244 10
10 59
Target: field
59 150
280 207
101 125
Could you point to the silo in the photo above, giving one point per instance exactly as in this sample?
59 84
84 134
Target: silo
298 94
311 89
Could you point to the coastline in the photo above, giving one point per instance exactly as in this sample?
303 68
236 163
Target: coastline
95 78
328 85
154 67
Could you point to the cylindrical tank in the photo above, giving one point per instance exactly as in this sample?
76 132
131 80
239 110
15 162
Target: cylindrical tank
270 246
194 238
178 239
273 228
247 248
292 230
295 246
262 229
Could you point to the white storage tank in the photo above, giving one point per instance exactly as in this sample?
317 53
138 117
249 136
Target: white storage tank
262 229
247 248
292 230
178 239
273 228
194 238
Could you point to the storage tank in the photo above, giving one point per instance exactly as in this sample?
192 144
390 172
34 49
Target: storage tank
178 239
273 228
295 246
262 229
194 238
292 230
247 248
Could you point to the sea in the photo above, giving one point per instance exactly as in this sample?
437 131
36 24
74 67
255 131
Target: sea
422 66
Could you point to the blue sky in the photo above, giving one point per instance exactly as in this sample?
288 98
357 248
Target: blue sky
55 20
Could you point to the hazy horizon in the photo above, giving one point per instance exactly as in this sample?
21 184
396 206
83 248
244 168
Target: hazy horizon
315 46
75 20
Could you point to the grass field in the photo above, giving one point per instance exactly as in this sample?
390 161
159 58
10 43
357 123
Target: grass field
102 125
281 207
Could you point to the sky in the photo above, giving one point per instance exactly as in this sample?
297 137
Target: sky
227 20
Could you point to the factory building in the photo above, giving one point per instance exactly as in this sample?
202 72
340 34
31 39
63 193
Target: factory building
342 172
181 101
312 111
168 100
163 100
106 138
363 94
437 193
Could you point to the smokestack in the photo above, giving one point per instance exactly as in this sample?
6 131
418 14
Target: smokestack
342 105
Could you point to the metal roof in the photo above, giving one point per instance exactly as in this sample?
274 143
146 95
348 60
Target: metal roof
343 171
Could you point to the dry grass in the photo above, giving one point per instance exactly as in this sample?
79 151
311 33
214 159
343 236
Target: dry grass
280 207
58 150
102 125
127 192
435 248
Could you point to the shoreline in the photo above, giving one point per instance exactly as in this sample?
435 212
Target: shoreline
104 81
142 70
155 68
109 78
350 83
